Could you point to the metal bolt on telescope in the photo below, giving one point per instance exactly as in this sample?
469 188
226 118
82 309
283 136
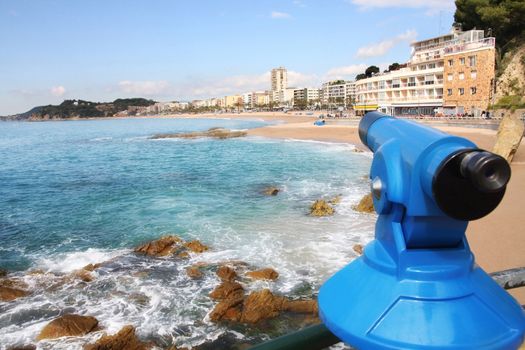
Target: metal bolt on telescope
416 285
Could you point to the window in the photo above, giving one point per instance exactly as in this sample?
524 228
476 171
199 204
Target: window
472 61
412 81
422 67
450 76
462 61
429 79
461 76
473 90
395 83
450 63
474 74
382 84
449 92
461 91
431 65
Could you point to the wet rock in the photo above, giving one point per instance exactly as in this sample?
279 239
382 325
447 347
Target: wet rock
358 248
194 272
228 310
91 267
183 255
125 339
23 347
226 273
3 273
9 294
510 133
218 133
163 246
196 246
67 326
271 191
301 306
366 205
227 290
264 274
261 305
321 208
83 275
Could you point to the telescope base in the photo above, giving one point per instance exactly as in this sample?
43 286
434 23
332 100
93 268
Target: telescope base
369 307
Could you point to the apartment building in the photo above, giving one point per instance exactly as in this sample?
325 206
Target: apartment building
306 94
441 77
339 92
279 79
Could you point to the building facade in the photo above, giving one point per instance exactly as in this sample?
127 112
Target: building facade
430 84
279 79
338 92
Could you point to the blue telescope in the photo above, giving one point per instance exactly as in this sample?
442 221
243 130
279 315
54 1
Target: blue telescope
417 285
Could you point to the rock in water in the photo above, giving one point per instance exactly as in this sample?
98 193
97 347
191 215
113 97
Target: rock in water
358 248
194 272
9 294
261 305
321 208
301 306
163 246
227 290
125 339
196 246
67 326
510 133
271 191
264 274
366 205
226 273
336 200
3 273
218 133
23 347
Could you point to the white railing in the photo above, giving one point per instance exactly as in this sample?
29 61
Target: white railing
460 46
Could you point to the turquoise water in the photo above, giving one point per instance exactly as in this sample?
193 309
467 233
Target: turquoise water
79 192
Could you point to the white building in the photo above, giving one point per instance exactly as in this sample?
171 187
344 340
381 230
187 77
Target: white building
339 92
279 79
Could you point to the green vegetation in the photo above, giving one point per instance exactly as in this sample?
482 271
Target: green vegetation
503 18
512 102
337 82
368 73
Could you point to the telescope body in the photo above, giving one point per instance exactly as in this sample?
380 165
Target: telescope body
416 285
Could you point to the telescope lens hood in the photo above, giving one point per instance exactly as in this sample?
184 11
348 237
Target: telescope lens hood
365 124
469 184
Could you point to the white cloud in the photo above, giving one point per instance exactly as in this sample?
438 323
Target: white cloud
280 15
58 91
145 88
381 48
299 3
346 71
429 4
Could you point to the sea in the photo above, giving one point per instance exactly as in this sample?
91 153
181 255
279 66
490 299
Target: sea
89 191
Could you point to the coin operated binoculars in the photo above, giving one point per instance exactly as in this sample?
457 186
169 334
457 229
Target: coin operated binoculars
416 285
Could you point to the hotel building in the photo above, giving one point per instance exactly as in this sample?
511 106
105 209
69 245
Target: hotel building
337 91
447 75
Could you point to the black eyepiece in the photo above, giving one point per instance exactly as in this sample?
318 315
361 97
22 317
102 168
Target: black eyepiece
469 184
487 171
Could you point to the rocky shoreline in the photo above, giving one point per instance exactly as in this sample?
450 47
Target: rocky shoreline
238 300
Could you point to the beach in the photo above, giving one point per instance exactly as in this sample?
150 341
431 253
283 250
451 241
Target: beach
497 240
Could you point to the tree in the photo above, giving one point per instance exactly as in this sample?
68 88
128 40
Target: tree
360 76
503 17
394 66
371 70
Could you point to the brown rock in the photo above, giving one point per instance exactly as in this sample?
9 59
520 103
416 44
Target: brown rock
261 305
83 275
321 208
9 294
68 325
264 274
194 272
125 339
183 255
358 248
227 290
271 191
163 246
91 267
3 273
23 347
196 246
229 309
366 205
336 200
301 306
226 273
219 133
510 133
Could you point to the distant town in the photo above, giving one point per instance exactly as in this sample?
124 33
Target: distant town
452 74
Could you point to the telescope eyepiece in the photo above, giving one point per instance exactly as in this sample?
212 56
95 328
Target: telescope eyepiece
486 171
469 184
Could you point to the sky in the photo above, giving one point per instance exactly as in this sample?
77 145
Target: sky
167 50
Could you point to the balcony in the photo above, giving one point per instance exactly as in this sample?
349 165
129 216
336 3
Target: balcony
461 47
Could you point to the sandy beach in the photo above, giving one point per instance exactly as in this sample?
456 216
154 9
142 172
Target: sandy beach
497 240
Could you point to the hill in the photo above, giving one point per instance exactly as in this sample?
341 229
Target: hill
73 109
